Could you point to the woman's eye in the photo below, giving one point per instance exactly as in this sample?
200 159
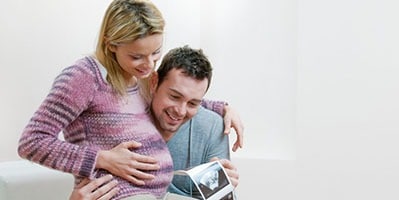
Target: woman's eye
135 57
157 52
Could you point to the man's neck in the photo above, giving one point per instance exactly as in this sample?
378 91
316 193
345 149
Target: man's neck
167 135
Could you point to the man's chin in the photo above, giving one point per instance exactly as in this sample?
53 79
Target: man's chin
173 128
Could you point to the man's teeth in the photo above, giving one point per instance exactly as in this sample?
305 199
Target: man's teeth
174 118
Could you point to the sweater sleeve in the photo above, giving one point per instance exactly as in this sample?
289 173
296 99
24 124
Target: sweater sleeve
215 106
69 96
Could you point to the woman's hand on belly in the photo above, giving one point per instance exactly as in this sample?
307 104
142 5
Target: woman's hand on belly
123 162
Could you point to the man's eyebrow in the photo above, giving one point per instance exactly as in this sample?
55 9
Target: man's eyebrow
180 94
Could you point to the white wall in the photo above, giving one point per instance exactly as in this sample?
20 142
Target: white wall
347 103
42 37
322 112
39 38
252 45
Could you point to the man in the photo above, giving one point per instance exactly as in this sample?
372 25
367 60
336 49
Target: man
193 134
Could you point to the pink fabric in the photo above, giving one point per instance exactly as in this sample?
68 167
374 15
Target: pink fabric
92 117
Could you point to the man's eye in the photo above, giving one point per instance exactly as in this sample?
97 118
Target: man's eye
192 104
174 96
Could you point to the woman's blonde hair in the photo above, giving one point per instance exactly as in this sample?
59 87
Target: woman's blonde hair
126 21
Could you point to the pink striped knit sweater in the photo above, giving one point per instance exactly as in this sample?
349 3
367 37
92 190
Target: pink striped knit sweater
84 107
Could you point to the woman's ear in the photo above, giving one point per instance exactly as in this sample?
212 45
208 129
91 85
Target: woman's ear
111 47
153 82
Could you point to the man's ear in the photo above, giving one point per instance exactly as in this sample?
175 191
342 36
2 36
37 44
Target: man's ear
153 82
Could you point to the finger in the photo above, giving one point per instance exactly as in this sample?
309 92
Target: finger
231 171
233 176
214 159
147 161
138 174
84 182
110 194
131 144
234 181
237 144
145 166
104 189
240 138
227 164
134 180
138 177
138 165
227 124
241 135
96 183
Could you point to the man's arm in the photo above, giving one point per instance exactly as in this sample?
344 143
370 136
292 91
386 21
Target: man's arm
217 146
231 119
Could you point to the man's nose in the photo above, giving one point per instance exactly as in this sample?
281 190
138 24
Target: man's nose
181 109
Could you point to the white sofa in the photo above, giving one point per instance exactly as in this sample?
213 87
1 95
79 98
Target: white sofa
24 180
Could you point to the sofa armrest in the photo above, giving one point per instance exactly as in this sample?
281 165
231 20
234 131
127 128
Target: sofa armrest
21 180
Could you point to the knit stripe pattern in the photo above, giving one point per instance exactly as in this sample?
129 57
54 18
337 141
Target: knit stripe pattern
92 117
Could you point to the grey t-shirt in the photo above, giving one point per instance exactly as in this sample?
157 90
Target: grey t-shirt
196 142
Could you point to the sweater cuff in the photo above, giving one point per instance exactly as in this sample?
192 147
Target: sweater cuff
88 164
218 107
215 106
